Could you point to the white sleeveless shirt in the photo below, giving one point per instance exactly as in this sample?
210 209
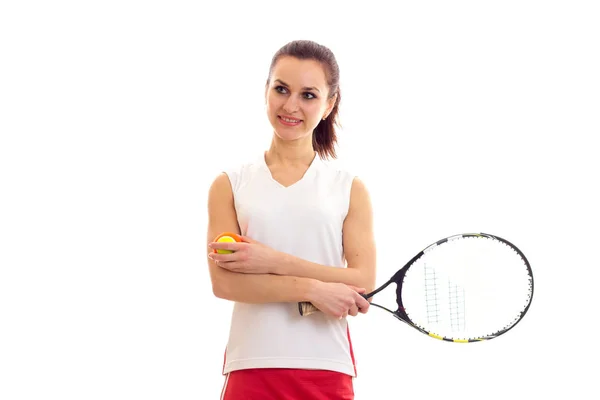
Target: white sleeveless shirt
304 220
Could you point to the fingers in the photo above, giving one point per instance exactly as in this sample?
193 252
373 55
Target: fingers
362 304
339 300
230 246
353 311
223 257
234 266
224 246
246 239
357 289
359 305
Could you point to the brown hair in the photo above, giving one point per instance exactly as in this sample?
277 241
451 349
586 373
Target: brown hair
324 135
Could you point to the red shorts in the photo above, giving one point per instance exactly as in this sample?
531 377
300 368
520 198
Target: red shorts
287 384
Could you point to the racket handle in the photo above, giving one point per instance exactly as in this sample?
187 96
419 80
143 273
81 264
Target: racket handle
306 308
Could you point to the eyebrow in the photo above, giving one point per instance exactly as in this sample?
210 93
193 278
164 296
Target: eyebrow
304 88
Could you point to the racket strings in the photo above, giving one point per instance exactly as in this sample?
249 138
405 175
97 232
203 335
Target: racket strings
480 277
431 294
456 299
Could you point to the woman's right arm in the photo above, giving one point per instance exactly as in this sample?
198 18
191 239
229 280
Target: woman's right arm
247 288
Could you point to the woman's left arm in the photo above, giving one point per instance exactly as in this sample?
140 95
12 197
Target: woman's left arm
358 242
359 247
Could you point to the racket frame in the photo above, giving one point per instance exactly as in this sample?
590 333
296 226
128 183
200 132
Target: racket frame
398 278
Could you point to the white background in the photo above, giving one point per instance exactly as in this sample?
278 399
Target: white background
116 116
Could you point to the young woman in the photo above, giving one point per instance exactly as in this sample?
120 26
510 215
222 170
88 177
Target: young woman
307 236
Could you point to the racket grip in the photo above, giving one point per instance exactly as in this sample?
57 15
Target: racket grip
306 308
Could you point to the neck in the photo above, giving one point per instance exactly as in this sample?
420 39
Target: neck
290 152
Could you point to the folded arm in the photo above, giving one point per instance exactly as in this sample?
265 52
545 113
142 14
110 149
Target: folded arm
248 288
255 273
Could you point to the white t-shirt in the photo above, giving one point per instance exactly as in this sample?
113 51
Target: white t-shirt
304 220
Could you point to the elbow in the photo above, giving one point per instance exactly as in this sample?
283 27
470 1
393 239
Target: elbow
220 289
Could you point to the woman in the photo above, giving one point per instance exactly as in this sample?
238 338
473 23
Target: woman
301 220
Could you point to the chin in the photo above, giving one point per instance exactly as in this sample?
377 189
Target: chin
289 133
289 136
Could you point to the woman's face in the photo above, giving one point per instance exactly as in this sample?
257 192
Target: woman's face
296 97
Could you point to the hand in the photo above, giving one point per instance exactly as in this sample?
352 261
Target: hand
248 257
339 300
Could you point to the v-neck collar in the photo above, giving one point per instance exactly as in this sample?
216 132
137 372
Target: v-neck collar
307 173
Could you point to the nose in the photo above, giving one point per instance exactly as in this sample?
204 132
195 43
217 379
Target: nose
291 105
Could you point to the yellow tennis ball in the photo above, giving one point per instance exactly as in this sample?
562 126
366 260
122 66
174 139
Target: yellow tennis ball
227 239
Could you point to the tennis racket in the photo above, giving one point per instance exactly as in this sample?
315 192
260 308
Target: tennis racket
464 288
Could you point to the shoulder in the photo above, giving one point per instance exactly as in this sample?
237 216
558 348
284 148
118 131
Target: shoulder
356 186
235 174
359 187
360 198
344 173
360 208
220 182
227 183
345 181
337 171
220 188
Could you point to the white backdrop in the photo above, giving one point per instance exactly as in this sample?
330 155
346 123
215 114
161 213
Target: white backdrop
116 116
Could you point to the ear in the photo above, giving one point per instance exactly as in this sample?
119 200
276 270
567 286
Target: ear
330 104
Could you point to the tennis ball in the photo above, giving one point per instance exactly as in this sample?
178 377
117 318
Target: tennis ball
227 239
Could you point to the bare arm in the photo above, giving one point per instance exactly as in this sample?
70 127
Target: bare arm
248 288
359 248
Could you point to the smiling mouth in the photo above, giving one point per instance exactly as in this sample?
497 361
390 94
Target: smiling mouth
290 120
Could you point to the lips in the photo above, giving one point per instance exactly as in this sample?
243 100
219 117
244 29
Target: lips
289 121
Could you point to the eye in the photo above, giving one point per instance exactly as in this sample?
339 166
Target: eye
280 89
309 95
